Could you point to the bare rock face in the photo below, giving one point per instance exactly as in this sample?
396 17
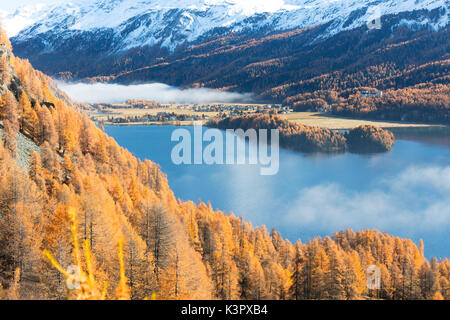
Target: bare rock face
4 56
5 53
15 86
25 147
3 50
13 83
3 89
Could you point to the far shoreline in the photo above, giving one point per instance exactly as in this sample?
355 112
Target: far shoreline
313 119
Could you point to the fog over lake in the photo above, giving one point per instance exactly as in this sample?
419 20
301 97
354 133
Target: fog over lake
116 93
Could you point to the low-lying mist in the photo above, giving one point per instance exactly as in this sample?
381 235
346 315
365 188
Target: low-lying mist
158 92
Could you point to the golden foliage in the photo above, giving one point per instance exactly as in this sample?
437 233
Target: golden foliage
82 284
112 217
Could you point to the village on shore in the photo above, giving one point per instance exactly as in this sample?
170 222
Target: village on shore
146 112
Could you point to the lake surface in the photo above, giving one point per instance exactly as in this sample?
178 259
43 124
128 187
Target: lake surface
405 192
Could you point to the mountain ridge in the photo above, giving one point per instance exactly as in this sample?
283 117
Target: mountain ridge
131 24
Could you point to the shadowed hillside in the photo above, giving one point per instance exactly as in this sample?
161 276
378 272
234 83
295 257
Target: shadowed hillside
409 63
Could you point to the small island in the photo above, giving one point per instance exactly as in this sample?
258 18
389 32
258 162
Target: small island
307 139
370 139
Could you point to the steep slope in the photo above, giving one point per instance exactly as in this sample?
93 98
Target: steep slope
84 188
125 35
79 167
258 65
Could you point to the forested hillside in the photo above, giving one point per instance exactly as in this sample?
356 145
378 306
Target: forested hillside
410 67
304 65
298 137
82 183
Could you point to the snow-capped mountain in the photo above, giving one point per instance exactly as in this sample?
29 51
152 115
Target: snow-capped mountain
170 23
255 46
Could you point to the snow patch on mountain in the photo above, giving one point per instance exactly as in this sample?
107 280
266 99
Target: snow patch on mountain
170 23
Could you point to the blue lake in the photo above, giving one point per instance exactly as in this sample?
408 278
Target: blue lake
405 192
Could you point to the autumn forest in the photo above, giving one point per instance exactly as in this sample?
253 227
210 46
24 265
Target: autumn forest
70 195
